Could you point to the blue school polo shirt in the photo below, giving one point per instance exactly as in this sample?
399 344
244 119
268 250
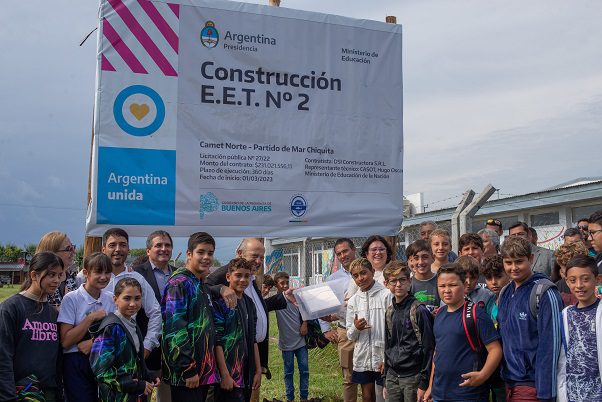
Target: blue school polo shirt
454 357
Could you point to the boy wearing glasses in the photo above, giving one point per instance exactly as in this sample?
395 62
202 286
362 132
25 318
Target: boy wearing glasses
594 235
409 341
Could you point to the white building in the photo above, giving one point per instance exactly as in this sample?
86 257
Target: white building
550 212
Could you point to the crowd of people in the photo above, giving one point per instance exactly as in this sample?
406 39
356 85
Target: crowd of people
486 324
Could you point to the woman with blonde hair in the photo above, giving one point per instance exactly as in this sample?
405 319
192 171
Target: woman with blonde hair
60 244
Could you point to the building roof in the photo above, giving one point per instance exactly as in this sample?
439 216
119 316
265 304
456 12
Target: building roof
576 182
11 266
578 190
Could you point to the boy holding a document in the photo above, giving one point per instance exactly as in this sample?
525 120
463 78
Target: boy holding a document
365 323
291 341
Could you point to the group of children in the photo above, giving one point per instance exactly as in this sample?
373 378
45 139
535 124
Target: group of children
429 332
478 329
205 343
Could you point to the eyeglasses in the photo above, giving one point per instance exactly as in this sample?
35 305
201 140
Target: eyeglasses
68 249
583 227
398 281
377 250
494 222
593 232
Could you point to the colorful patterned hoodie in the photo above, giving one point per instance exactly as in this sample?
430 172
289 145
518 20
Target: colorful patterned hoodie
120 370
188 332
235 333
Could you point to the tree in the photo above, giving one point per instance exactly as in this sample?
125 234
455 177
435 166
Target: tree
31 249
12 253
137 252
79 257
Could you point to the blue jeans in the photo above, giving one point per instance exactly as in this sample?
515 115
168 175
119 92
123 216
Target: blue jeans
289 369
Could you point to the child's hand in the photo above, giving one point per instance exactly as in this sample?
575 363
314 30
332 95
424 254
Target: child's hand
227 383
303 329
256 381
157 382
472 379
426 397
97 315
148 388
329 318
332 336
85 346
192 382
361 323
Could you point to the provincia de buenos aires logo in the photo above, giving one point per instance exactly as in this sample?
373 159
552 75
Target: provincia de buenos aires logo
246 42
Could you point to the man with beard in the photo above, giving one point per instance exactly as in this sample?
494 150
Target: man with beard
115 245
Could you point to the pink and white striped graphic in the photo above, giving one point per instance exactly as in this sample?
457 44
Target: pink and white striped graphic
140 36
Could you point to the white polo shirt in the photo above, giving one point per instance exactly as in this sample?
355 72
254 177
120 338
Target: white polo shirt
78 304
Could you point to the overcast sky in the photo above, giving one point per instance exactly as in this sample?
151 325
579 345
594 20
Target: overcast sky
507 93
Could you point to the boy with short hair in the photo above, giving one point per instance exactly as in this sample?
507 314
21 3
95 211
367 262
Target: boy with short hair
471 244
594 235
188 330
495 275
459 373
495 278
424 282
408 348
580 362
236 349
365 323
484 298
267 285
440 246
291 341
530 334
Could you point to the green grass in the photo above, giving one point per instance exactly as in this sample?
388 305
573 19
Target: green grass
8 290
325 378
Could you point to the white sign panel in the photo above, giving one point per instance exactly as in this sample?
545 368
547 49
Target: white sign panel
245 120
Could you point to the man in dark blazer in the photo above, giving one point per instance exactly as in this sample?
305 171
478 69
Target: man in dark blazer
156 271
252 249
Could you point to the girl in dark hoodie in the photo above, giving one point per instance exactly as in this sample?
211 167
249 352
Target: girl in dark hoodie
117 356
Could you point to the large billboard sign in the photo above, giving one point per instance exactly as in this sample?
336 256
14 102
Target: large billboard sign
245 120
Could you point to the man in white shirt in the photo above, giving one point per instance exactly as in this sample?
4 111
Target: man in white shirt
115 245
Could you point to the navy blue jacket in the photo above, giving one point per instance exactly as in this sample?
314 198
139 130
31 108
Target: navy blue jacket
531 346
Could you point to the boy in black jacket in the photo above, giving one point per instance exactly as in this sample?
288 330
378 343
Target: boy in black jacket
409 343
